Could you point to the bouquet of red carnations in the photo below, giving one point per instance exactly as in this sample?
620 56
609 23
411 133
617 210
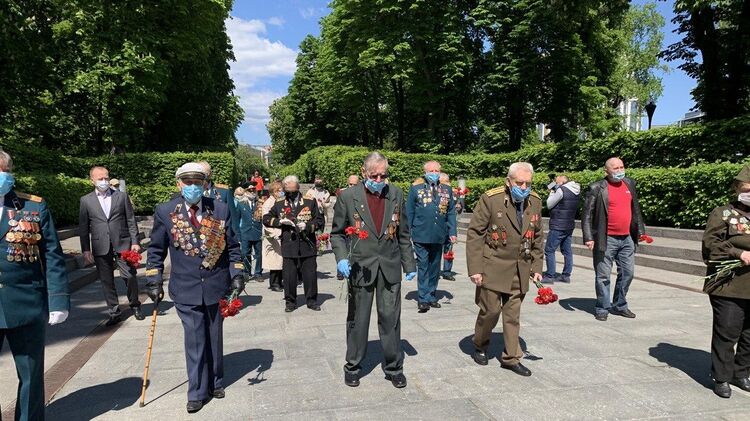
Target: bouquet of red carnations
230 306
645 239
545 295
132 258
448 255
324 242
357 234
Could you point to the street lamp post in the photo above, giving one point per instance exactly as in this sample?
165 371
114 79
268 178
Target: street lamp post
650 108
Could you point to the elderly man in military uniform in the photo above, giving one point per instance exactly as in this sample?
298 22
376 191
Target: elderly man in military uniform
298 218
33 287
197 233
249 210
431 212
373 266
503 250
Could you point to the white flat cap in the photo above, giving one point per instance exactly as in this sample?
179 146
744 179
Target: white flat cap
191 170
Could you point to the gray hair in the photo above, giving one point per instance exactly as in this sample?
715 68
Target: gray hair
290 179
6 160
374 158
520 166
424 167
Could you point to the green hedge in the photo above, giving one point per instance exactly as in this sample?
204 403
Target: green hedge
158 168
725 141
62 194
670 197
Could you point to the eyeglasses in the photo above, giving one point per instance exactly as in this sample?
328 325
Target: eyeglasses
377 176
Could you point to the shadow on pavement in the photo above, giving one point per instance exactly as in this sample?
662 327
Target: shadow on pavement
497 344
695 363
582 304
322 298
439 294
375 355
93 401
238 364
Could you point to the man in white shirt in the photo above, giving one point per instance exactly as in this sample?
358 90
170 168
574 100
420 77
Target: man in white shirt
106 215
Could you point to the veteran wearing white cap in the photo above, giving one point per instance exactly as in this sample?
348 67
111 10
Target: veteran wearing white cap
206 266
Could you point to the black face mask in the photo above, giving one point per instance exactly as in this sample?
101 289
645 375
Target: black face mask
291 194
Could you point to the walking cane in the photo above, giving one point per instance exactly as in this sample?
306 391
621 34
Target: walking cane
148 354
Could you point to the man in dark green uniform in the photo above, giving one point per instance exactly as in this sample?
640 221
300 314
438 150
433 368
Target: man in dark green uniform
33 287
503 250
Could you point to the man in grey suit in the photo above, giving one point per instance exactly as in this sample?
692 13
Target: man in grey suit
374 266
107 216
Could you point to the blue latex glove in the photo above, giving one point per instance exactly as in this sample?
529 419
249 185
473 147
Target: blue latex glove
343 267
410 276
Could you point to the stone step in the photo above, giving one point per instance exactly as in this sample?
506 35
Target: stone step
689 267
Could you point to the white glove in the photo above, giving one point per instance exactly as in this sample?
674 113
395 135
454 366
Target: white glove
301 226
285 221
57 317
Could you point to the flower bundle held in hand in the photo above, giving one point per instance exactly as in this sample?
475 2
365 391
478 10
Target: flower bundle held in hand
229 307
324 242
545 295
357 234
724 269
449 255
645 239
132 258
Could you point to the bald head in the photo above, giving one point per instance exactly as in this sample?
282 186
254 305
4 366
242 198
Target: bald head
353 180
614 167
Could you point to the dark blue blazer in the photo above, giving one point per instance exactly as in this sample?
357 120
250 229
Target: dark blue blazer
431 214
189 282
249 228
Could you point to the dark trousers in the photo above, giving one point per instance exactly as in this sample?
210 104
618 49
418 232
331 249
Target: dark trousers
388 301
731 327
204 348
295 268
275 278
252 249
105 266
27 347
564 240
428 268
447 264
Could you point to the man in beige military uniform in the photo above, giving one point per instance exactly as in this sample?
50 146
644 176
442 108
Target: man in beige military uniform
504 248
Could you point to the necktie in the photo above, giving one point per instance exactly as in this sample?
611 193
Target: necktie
193 220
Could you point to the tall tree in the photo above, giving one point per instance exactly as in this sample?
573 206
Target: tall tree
718 31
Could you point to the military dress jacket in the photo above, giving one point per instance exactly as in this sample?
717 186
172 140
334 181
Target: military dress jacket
250 221
431 212
203 260
498 247
727 235
33 278
296 243
388 250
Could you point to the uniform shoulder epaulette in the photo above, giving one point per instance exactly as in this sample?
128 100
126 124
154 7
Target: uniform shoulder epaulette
31 197
221 186
534 194
496 190
418 181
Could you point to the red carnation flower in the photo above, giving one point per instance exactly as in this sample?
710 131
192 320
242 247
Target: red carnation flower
236 304
350 231
363 235
646 238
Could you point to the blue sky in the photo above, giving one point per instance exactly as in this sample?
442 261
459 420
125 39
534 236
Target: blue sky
266 35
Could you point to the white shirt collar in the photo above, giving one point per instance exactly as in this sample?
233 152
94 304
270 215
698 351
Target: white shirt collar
105 194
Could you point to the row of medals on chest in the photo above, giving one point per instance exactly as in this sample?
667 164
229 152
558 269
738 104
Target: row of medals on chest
185 236
23 236
425 196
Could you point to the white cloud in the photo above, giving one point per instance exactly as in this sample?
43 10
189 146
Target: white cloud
258 58
312 12
276 21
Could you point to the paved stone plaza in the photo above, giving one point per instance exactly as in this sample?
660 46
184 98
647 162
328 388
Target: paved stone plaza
289 366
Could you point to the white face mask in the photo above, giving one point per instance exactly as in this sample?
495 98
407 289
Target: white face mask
744 198
102 185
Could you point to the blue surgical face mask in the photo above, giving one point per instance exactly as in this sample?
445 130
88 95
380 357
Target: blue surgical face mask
6 182
618 176
518 194
374 186
102 185
432 177
192 193
281 195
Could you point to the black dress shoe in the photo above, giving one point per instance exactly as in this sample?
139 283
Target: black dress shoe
398 380
340 277
258 278
479 357
276 289
313 307
601 317
519 369
423 307
723 390
742 383
113 320
218 393
435 305
351 379
624 313
194 406
290 308
137 313
449 277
